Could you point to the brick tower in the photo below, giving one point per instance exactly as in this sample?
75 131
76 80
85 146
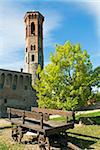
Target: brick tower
34 42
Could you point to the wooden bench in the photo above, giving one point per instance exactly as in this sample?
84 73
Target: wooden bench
38 121
49 112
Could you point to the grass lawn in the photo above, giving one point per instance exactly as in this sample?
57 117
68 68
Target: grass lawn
91 114
85 136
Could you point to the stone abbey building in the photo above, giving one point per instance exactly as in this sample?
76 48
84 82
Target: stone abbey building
16 87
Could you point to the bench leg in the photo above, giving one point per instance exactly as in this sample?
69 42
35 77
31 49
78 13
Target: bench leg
43 142
14 132
20 134
48 143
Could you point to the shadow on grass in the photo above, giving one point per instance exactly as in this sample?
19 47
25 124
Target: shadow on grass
90 120
80 142
6 127
83 135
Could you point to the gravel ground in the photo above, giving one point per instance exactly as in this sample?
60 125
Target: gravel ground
4 122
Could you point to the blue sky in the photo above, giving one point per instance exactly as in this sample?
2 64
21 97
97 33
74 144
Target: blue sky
74 20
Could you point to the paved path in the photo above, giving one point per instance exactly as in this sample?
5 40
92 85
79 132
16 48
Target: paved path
4 123
87 111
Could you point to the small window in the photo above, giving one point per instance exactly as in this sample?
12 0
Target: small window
26 49
33 47
32 57
26 31
25 87
5 100
32 28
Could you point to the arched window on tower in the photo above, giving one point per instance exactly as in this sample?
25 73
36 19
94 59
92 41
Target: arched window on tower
33 47
32 58
32 28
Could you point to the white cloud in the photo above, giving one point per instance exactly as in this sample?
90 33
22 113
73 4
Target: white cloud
11 37
53 21
16 65
93 8
12 41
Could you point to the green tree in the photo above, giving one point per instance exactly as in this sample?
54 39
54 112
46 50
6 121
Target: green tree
96 77
65 82
96 82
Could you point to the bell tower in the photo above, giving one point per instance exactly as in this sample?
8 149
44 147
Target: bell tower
34 42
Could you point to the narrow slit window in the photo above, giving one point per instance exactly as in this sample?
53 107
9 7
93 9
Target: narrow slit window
31 47
32 28
32 57
34 47
26 32
5 100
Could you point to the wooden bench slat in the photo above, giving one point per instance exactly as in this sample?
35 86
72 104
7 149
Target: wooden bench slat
52 111
59 129
13 111
29 114
32 115
28 126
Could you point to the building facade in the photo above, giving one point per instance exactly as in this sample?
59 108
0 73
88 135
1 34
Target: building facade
16 91
34 42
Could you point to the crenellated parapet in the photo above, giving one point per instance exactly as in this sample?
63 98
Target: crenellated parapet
14 80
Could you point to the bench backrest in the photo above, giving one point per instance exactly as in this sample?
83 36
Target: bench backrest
67 114
29 114
52 111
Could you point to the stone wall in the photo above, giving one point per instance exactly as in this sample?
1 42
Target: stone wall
16 91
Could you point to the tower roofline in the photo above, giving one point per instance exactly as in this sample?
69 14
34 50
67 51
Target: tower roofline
33 12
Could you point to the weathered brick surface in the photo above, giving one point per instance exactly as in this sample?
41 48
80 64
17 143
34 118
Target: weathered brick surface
16 91
33 38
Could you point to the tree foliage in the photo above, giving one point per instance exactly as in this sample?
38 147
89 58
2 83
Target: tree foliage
96 77
66 81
